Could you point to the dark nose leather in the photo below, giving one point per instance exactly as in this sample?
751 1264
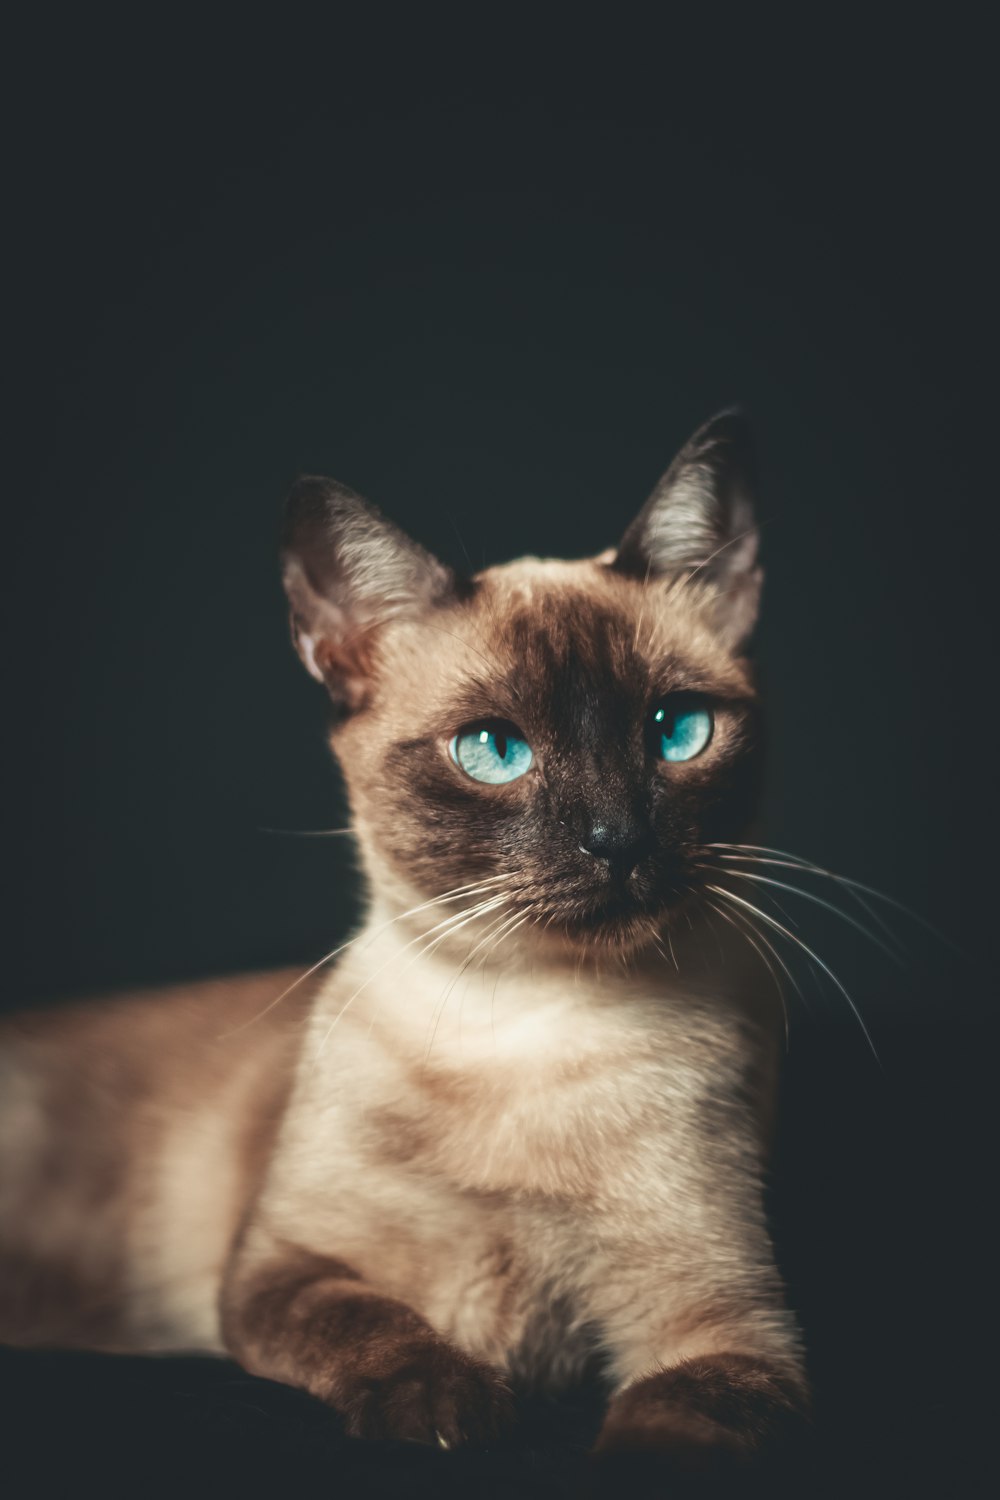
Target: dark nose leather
621 845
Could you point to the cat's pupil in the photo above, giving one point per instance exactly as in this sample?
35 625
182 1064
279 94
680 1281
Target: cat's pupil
500 740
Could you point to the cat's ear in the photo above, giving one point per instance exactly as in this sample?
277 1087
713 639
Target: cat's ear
347 571
699 521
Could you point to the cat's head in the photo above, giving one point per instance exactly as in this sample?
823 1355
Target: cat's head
560 739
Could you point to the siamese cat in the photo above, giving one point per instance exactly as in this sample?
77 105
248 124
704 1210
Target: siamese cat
518 1132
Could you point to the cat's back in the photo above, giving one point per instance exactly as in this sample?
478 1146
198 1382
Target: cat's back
133 1129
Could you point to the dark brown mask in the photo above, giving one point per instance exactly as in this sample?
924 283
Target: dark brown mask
580 729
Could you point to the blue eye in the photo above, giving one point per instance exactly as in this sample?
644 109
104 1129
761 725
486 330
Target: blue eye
493 753
681 730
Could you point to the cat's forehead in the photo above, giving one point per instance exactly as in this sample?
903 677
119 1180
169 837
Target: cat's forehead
566 636
545 618
551 611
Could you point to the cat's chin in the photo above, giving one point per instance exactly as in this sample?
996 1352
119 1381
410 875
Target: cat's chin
617 924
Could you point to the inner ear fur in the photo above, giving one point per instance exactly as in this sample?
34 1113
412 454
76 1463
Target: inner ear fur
699 521
347 572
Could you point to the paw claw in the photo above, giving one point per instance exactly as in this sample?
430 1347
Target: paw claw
433 1394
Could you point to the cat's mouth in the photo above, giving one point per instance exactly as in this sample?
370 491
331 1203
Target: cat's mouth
616 928
599 905
618 914
613 907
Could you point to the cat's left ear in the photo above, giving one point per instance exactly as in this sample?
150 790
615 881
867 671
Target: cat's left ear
348 572
699 521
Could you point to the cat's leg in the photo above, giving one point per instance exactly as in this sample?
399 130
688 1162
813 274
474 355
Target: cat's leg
310 1321
709 1382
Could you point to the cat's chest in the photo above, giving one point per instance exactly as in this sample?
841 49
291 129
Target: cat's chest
481 1173
562 1131
499 1191
550 1096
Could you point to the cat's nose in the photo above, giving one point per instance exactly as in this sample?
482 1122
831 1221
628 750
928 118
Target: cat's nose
622 845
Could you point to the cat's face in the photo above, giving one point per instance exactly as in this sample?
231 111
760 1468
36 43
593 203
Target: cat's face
561 738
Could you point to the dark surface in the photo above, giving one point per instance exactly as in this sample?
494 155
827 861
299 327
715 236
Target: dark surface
493 278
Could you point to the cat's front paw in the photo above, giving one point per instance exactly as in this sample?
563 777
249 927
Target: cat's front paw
705 1423
428 1392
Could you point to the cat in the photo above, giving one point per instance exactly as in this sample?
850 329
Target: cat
519 1133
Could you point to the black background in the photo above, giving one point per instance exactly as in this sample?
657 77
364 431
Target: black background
492 277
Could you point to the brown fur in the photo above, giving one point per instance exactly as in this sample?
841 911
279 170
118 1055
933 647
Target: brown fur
309 1320
506 1137
583 625
97 1095
709 1417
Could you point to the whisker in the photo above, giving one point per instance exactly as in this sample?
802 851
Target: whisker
460 919
451 923
482 964
309 833
661 950
440 1009
764 958
796 861
793 862
452 895
773 950
670 945
502 937
724 870
792 937
718 940
817 901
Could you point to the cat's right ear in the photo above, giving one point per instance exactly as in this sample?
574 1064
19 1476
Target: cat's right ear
699 521
347 571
